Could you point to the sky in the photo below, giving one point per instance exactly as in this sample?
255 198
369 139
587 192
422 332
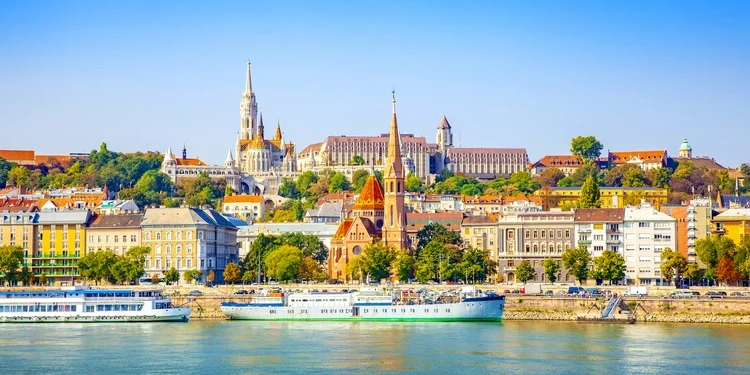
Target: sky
144 75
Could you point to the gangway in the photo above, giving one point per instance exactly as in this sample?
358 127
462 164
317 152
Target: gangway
609 310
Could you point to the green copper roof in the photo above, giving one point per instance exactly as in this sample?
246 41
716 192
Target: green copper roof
685 145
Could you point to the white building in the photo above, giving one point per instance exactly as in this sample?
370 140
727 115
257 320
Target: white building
247 235
647 233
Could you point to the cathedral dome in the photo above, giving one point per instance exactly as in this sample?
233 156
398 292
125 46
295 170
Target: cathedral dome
371 197
685 146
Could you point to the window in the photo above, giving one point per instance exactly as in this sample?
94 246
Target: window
189 263
598 237
528 234
544 234
644 248
148 236
511 263
158 249
644 259
567 234
132 238
644 224
169 235
158 236
189 248
644 236
559 234
628 224
598 248
98 238
117 238
169 249
536 234
663 225
630 248
663 237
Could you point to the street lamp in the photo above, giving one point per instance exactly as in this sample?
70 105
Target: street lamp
440 269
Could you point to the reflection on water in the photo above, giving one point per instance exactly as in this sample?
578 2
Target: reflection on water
374 347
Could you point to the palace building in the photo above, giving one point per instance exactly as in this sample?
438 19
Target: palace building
378 214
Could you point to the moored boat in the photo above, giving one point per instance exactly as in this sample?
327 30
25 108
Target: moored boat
82 304
467 304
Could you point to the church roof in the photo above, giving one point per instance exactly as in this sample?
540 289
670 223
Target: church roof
685 146
277 136
343 229
194 162
444 123
312 147
371 197
646 156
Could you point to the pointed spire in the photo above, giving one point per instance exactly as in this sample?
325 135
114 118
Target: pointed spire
248 80
393 165
168 156
229 157
261 128
184 151
444 124
277 136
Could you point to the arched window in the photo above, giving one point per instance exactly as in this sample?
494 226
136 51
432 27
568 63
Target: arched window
536 248
544 248
158 236
169 249
190 235
158 249
179 235
391 190
189 263
179 263
391 215
528 248
189 249
169 235
148 236
178 248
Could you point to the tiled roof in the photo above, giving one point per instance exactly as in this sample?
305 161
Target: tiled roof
479 199
383 138
704 162
47 159
343 229
17 155
370 227
194 162
646 156
243 199
477 219
599 215
117 221
371 196
559 161
442 218
444 123
312 147
522 197
457 150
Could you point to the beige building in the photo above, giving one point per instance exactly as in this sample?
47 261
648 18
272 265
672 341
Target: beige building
117 233
188 238
480 232
534 236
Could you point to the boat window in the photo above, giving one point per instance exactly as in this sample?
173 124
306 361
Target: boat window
44 308
73 308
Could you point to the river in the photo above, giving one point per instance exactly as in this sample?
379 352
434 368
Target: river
224 347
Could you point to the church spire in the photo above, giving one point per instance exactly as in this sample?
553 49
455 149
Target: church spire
248 80
277 136
394 227
393 165
261 128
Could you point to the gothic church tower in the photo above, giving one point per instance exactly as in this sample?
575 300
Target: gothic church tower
248 109
394 228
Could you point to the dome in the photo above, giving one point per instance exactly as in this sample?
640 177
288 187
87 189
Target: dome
685 145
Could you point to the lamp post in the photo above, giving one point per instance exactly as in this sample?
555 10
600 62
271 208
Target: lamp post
440 269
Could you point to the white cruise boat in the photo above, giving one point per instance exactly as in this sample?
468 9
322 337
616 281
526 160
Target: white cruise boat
467 304
83 304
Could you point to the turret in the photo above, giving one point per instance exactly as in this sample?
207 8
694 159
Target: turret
229 162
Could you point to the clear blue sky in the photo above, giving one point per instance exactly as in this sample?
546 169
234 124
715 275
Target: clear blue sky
143 75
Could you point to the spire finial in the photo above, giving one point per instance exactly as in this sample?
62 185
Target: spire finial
393 92
248 80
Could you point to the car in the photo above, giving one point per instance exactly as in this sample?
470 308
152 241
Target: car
576 290
515 291
195 293
549 292
594 292
683 294
560 292
713 294
241 291
736 294
273 282
506 291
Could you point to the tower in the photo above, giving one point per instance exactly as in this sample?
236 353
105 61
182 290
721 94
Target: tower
229 162
394 228
248 109
685 150
444 135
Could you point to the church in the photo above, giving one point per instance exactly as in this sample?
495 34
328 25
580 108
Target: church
260 163
378 215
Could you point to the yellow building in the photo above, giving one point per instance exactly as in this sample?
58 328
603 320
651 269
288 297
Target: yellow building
188 239
117 233
61 241
610 197
19 229
733 223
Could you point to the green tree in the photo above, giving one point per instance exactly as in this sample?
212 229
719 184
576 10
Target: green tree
310 245
305 181
551 268
565 182
712 249
427 266
550 177
338 183
693 272
232 273
579 177
155 278
589 194
202 190
525 272
659 177
248 276
210 277
308 269
43 278
436 232
191 275
609 266
634 178
284 262
413 183
355 268
5 167
288 189
357 160
100 158
377 260
11 258
587 147
18 177
577 261
672 265
172 276
404 265
97 266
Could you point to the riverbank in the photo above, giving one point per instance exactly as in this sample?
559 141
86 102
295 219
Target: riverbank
724 311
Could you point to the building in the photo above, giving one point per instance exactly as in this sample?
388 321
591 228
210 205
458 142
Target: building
686 154
20 157
328 212
567 164
21 229
180 168
417 221
418 156
246 207
247 234
116 207
647 233
30 158
533 236
481 204
637 233
188 238
480 232
378 214
430 203
521 203
644 159
725 202
693 222
733 223
117 233
610 197
60 244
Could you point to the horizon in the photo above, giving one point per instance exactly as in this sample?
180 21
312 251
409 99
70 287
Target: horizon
495 70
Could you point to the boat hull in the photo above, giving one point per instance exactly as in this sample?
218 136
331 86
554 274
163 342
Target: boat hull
488 310
163 315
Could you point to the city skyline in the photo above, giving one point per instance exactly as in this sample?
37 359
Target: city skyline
501 73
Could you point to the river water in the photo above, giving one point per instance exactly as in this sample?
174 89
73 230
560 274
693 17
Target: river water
224 347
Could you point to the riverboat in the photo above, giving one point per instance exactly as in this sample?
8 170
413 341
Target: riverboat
466 304
83 304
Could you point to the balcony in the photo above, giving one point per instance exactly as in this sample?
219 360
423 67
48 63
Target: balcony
585 242
584 230
511 269
611 242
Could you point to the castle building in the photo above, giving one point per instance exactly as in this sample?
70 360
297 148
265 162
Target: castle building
378 214
418 156
260 163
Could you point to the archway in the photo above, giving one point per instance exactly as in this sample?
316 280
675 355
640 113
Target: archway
268 205
256 190
511 277
244 188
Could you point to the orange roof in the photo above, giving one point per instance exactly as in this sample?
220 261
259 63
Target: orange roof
42 159
343 229
243 199
647 156
17 155
371 197
312 147
560 161
195 162
522 197
480 199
